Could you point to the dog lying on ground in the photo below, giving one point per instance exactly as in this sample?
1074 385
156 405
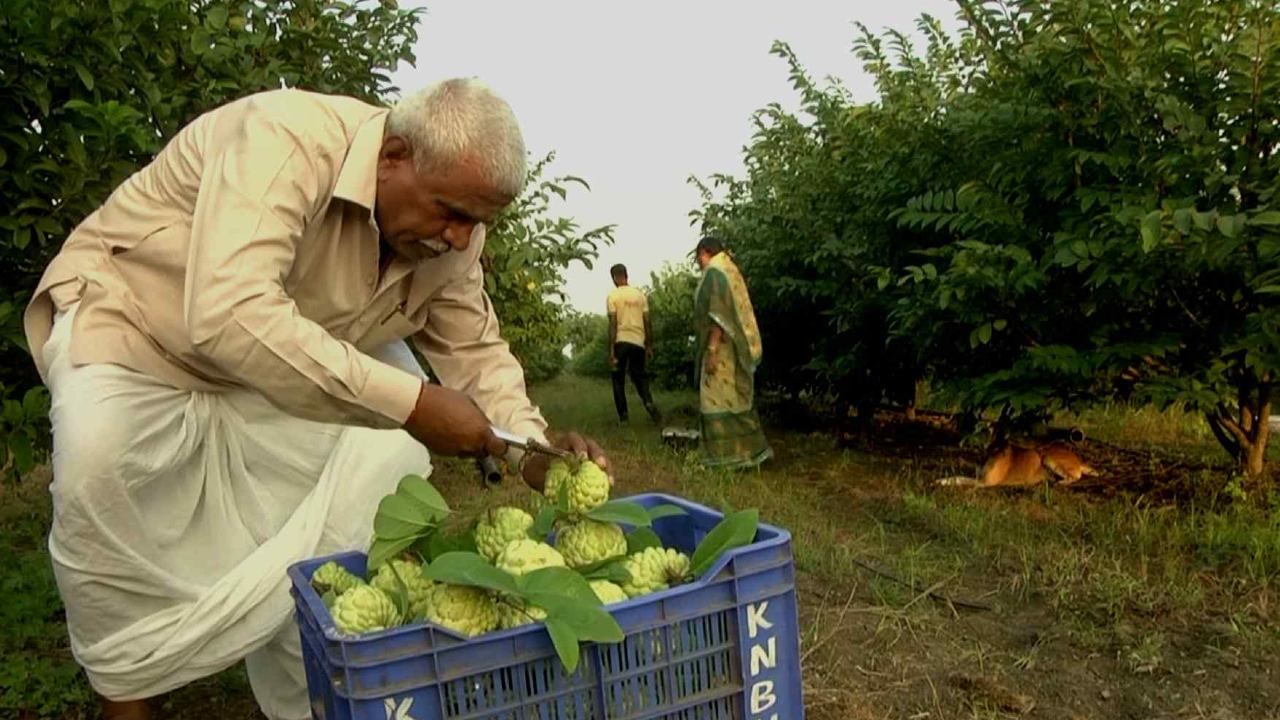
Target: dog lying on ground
1012 465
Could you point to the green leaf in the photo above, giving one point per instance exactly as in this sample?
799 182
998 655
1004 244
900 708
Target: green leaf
562 498
658 512
588 622
544 522
735 530
23 453
1204 220
642 538
425 494
1231 225
613 570
621 511
984 333
1151 231
399 517
548 586
437 544
1182 220
401 593
35 402
383 550
217 17
86 77
1268 218
565 641
467 568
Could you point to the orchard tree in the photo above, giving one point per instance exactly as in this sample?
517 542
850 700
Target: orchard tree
1065 203
525 256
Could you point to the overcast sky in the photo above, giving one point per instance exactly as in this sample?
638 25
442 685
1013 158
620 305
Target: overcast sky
636 97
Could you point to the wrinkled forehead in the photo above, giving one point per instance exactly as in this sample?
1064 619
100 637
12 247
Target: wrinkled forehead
466 193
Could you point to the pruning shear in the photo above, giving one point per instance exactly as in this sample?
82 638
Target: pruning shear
489 472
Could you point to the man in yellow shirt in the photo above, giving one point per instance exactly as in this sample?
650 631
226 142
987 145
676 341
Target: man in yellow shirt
630 342
224 344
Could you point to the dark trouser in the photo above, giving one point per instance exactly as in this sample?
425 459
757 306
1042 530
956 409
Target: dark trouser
631 356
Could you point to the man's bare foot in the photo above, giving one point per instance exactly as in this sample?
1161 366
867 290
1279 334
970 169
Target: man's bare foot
126 710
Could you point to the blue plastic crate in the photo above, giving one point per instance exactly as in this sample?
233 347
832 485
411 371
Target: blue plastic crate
723 647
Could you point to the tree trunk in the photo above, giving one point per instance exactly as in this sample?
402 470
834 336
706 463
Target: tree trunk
1246 429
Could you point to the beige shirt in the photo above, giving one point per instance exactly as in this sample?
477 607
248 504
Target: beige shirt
628 306
246 256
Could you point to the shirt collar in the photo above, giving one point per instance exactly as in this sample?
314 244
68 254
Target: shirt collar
358 178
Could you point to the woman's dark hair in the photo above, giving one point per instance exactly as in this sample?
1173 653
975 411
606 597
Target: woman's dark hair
710 244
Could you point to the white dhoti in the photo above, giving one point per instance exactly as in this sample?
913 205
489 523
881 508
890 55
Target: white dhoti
177 514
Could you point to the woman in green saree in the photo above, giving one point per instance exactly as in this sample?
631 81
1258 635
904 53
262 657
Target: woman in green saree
729 350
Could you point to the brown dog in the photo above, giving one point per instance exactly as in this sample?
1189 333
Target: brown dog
1012 465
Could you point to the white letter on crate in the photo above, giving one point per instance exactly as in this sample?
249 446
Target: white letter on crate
760 657
755 619
762 697
400 710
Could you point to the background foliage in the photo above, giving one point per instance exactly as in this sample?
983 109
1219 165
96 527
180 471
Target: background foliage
526 255
89 92
1064 203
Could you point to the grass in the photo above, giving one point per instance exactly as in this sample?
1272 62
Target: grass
1086 593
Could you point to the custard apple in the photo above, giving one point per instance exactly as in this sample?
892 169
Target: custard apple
414 581
512 614
677 565
588 488
608 592
333 577
525 555
364 609
588 542
462 608
654 569
557 473
500 526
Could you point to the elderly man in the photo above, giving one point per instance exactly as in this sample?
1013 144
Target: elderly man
231 393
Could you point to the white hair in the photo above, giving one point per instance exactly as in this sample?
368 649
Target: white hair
462 120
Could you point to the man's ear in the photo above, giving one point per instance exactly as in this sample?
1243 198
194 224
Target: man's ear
395 149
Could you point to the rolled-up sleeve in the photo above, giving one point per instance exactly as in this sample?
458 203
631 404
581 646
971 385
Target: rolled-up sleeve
462 344
258 192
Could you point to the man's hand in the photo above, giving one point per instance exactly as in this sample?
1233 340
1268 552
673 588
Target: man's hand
648 352
535 469
448 422
613 360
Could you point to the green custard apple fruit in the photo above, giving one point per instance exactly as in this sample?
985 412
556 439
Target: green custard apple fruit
332 576
414 581
677 566
364 609
513 614
654 569
526 555
588 487
587 542
462 608
499 526
608 592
